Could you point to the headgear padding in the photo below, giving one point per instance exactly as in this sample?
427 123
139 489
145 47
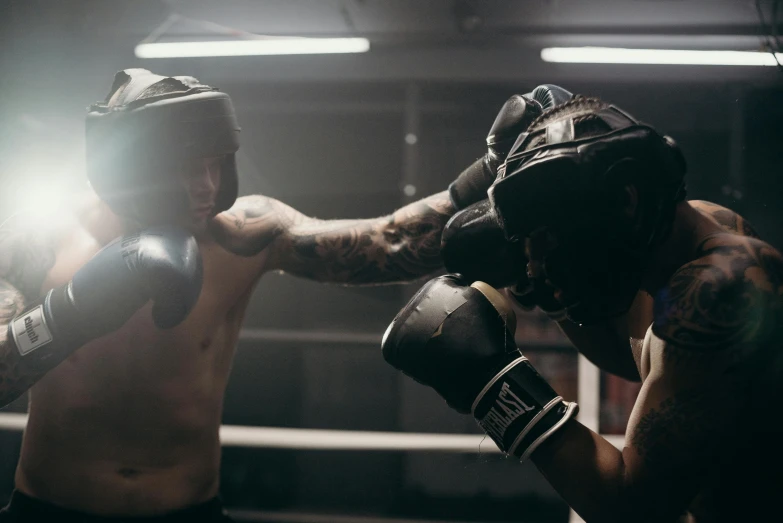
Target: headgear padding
573 185
146 130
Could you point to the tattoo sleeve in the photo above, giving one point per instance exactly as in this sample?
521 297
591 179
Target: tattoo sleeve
400 247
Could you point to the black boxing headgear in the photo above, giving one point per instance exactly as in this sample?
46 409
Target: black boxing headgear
568 175
145 130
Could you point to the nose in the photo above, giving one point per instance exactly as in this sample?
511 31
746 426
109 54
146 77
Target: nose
204 179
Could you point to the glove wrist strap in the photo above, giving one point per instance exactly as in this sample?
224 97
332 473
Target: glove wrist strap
519 410
51 321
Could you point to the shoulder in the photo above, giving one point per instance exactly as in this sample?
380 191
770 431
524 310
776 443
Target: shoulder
725 217
730 295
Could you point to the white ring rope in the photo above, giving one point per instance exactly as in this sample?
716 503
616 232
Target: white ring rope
355 338
320 439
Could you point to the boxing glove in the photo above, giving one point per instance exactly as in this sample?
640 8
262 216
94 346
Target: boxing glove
474 246
514 117
161 264
459 340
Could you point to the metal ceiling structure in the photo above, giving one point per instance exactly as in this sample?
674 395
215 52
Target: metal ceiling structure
426 40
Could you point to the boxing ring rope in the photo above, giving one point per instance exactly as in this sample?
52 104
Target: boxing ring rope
321 439
356 440
367 441
344 337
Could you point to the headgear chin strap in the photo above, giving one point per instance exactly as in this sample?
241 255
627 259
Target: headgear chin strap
575 188
145 131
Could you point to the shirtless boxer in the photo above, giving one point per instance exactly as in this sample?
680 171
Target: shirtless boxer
127 425
703 440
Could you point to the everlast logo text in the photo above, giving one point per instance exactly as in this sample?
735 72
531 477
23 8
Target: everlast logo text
28 328
508 407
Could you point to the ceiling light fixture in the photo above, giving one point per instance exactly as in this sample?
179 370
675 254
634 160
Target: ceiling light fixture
612 55
264 46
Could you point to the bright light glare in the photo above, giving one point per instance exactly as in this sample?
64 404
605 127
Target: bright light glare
610 55
269 46
41 197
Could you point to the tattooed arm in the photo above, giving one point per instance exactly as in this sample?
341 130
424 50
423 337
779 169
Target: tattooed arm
400 247
706 367
25 259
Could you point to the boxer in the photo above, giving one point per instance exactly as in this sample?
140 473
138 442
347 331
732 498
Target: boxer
588 212
126 396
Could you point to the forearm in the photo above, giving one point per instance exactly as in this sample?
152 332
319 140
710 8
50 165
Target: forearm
396 248
16 375
26 256
412 238
589 473
15 379
21 369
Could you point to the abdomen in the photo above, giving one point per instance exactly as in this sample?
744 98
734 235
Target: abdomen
129 424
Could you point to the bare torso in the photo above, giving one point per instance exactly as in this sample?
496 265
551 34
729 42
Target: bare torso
128 424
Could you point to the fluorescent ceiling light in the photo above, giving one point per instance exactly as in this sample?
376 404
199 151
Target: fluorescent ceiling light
611 55
266 46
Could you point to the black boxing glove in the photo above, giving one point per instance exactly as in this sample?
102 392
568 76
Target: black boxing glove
162 264
514 117
459 340
474 246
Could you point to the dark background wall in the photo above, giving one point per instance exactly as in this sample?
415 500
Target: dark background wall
326 135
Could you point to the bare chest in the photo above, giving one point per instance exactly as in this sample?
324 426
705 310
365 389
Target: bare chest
154 367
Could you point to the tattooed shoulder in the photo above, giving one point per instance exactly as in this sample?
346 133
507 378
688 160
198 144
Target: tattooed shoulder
730 296
27 254
725 217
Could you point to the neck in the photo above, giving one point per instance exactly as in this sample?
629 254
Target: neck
680 247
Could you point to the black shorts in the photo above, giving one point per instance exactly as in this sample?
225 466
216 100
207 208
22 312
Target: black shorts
23 508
